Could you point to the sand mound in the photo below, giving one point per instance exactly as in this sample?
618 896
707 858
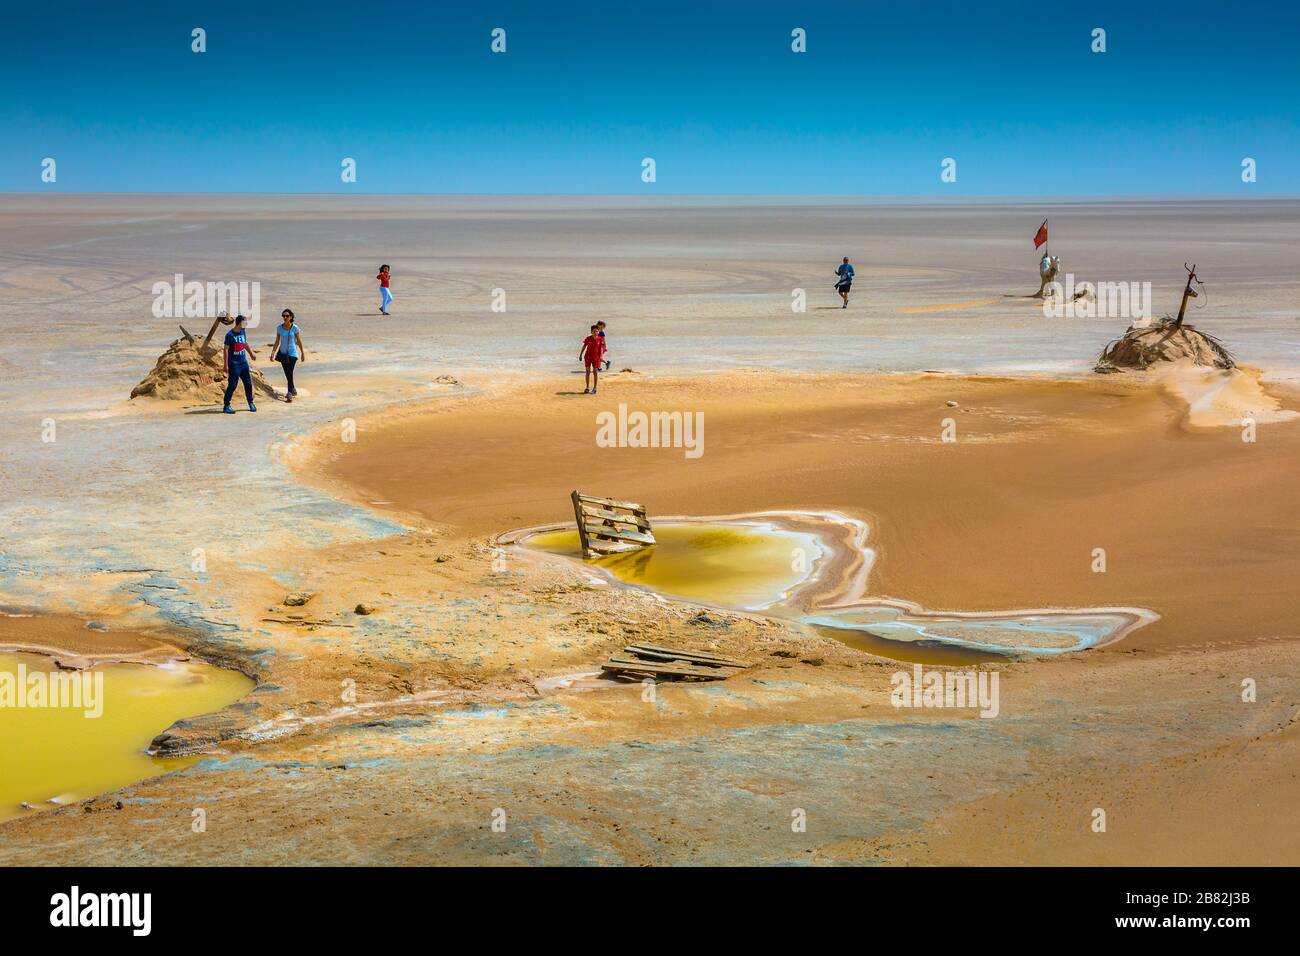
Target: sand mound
191 370
1140 348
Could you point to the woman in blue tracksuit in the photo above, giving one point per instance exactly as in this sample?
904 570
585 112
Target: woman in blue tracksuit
238 353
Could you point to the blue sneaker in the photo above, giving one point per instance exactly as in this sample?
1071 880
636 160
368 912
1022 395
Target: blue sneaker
252 407
228 410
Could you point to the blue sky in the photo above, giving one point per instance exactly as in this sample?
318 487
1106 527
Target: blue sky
710 90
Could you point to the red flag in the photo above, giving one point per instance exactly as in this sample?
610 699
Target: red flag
1042 235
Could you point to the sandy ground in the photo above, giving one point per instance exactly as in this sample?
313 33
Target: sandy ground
1007 515
397 737
449 726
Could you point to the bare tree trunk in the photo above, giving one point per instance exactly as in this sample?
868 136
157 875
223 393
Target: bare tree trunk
1188 293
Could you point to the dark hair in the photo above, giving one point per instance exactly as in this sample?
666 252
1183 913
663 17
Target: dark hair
383 267
600 323
290 313
240 318
593 328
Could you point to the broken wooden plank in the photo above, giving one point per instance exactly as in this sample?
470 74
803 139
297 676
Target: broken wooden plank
610 546
635 519
582 524
605 550
610 502
662 674
304 621
671 670
636 658
673 650
619 534
670 655
676 670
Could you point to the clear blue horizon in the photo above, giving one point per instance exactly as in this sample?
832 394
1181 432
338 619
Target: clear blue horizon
711 91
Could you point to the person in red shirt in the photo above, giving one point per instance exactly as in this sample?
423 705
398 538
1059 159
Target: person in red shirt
385 296
593 352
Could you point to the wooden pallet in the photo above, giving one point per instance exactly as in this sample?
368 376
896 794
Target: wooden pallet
606 526
638 661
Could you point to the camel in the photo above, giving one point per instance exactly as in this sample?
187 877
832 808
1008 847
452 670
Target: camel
1048 267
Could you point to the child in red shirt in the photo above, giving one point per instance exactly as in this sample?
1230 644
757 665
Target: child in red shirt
593 351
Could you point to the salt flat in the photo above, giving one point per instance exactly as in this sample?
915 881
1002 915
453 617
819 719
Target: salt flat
690 283
109 503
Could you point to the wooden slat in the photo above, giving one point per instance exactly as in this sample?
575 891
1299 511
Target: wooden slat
582 524
610 547
702 668
625 527
677 670
665 671
304 622
619 534
661 675
638 520
666 654
685 654
610 502
659 647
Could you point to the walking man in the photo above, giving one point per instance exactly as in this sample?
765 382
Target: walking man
237 355
845 283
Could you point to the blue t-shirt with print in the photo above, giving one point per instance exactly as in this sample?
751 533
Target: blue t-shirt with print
237 342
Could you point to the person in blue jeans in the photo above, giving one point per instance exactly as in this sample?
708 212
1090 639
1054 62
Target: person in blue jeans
385 293
237 355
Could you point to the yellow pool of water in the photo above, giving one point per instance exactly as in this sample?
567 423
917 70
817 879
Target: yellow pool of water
738 565
60 753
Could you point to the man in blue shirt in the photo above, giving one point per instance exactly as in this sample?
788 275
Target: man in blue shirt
237 355
845 272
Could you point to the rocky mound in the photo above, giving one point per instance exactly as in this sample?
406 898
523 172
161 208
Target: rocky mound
1140 348
191 370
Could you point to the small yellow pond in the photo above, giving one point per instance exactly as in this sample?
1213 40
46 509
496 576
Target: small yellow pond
66 736
744 565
